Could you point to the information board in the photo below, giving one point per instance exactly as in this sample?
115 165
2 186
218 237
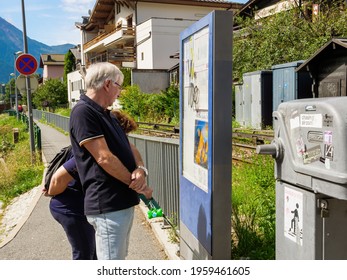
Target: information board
205 138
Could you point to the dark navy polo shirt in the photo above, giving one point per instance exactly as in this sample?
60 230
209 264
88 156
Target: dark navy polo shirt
71 201
103 193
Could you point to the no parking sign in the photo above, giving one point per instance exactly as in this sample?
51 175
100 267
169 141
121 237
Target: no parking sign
26 64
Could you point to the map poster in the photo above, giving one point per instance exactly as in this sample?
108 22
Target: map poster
195 108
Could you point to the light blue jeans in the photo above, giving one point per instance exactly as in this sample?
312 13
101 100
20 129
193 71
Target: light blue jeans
112 232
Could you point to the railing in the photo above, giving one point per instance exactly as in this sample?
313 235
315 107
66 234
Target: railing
53 119
161 157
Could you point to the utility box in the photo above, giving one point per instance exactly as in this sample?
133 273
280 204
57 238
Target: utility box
243 106
257 92
288 84
238 104
310 151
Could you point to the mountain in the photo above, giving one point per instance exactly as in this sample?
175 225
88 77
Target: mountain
11 41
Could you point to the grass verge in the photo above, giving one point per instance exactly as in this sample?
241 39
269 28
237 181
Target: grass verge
253 209
18 174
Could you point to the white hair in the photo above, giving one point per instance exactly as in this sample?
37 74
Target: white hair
99 72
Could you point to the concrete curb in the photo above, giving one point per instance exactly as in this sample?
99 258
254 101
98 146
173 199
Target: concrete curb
162 235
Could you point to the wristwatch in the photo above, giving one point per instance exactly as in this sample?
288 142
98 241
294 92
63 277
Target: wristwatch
144 169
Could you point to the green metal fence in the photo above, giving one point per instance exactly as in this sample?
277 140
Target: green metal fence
24 119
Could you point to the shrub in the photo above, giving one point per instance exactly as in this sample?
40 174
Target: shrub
52 93
155 107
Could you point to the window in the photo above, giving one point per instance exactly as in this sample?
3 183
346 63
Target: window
118 8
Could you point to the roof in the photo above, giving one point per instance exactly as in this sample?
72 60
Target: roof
52 59
252 5
103 9
76 52
249 6
332 46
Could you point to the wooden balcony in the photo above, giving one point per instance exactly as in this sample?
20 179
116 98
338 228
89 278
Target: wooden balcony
127 33
114 55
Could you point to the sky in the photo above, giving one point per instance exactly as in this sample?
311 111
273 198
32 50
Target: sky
51 22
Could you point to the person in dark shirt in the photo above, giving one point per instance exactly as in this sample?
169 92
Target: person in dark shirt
111 174
66 207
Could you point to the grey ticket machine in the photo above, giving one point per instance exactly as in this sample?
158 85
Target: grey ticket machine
310 152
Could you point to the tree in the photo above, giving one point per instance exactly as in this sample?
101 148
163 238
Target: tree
285 37
127 77
51 94
170 101
69 64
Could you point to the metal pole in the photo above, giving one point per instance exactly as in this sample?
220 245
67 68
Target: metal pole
16 94
30 111
15 78
10 92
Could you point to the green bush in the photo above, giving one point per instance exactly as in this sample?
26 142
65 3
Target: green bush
151 107
132 101
52 94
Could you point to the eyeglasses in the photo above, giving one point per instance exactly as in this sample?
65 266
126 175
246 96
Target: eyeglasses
120 87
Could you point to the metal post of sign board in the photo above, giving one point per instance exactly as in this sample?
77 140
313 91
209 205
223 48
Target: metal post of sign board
205 138
30 112
15 74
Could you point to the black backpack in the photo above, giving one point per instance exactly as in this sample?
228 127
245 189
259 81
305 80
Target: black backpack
59 159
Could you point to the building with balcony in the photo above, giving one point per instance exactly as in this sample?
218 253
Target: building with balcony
141 35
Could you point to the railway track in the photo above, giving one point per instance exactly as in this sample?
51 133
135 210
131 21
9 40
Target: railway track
244 142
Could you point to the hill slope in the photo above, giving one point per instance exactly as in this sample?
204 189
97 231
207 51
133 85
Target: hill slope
11 41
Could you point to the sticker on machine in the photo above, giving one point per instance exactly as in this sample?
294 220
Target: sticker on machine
329 151
328 137
300 147
293 215
312 154
311 120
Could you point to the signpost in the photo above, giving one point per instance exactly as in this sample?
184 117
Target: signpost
26 65
21 83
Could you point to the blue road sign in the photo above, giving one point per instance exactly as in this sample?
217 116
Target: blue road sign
26 64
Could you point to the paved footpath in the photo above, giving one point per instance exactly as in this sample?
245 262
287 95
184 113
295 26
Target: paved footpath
40 237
